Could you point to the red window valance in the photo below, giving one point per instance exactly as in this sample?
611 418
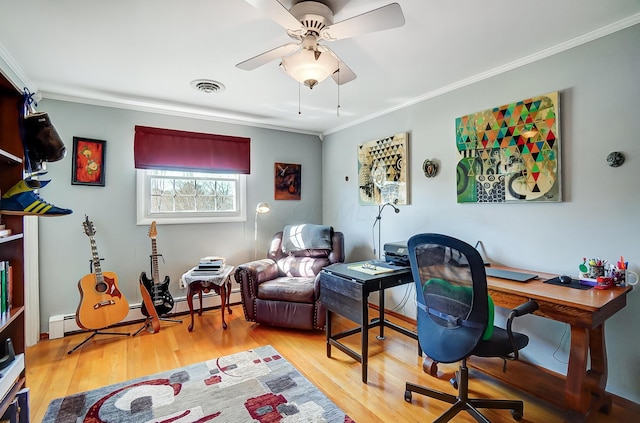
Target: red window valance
167 149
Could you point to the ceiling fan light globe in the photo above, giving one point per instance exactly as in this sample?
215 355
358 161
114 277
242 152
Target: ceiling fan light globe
306 69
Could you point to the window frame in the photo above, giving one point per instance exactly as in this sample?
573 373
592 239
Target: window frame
145 217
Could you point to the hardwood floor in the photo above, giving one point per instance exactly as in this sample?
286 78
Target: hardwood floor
52 373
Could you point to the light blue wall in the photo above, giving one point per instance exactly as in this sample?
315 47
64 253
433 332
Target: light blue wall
599 101
64 248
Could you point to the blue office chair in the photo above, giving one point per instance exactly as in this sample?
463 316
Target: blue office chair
455 319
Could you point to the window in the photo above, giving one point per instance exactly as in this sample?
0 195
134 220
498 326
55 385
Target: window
171 197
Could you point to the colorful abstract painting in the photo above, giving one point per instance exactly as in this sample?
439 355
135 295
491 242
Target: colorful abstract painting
382 170
510 153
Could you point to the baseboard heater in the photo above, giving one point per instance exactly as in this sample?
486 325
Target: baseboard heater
63 324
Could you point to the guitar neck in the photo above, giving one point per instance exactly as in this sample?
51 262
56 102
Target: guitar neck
95 258
154 261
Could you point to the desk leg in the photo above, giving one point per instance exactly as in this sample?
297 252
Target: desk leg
575 390
381 307
190 295
585 389
597 376
365 338
328 332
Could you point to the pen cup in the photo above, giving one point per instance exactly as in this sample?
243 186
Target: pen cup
625 277
596 271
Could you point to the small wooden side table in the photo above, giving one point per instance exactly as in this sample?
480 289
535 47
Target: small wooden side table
199 282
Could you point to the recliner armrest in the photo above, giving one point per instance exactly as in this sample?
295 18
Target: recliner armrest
256 271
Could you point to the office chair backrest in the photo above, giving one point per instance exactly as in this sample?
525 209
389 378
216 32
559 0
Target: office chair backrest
451 291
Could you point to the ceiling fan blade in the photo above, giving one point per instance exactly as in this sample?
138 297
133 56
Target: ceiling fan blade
267 56
385 17
344 74
279 14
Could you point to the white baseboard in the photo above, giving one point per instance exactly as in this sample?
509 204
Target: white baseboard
62 324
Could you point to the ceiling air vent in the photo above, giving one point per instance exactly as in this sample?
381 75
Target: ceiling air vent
207 86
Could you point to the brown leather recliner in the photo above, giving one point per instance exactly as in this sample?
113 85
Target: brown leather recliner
284 289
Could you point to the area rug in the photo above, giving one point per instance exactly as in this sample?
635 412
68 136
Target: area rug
252 386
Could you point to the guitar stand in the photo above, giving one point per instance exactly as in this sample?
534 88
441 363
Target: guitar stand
96 332
147 323
149 319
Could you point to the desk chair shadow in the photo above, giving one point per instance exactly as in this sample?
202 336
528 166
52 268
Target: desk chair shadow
455 319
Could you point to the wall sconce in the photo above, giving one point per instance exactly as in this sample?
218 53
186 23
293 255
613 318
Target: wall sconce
261 208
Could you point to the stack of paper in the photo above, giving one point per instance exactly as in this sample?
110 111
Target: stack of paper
210 264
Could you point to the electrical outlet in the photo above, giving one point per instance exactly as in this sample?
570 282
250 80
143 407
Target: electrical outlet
181 284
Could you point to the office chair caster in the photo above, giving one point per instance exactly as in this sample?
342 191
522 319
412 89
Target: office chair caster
454 381
516 414
407 396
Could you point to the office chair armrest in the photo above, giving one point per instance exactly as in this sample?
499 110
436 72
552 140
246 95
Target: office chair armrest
526 308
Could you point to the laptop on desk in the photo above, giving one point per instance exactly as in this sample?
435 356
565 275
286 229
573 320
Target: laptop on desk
509 274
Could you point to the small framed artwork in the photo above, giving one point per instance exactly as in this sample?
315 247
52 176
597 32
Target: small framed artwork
88 162
288 181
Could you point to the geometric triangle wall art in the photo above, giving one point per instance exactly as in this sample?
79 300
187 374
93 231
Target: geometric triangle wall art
382 170
519 160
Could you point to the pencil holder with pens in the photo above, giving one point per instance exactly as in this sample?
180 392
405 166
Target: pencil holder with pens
624 277
596 271
593 270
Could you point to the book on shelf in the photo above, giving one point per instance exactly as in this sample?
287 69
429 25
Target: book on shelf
6 286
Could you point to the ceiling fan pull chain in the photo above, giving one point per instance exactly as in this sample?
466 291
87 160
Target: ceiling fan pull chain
338 108
299 112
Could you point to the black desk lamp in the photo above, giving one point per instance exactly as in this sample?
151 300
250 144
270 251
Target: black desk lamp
377 222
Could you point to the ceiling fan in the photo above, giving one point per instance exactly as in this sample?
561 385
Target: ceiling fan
309 22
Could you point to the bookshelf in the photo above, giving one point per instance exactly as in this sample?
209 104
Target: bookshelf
12 322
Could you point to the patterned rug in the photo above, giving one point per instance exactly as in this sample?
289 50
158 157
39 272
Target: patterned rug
251 386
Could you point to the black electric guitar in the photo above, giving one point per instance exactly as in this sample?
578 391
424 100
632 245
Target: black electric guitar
159 292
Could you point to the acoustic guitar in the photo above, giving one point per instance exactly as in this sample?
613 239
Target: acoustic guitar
161 299
101 302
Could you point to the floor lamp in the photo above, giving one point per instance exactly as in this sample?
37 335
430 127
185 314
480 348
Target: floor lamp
261 208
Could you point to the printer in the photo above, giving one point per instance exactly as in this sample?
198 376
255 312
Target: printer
397 253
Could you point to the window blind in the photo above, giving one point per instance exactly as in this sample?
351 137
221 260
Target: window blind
168 149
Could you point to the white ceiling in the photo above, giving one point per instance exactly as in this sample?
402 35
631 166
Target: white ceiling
143 54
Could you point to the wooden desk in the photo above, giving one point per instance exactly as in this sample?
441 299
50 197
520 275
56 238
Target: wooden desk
198 283
346 292
585 311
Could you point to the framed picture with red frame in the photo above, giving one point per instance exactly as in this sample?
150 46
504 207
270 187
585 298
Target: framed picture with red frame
88 162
